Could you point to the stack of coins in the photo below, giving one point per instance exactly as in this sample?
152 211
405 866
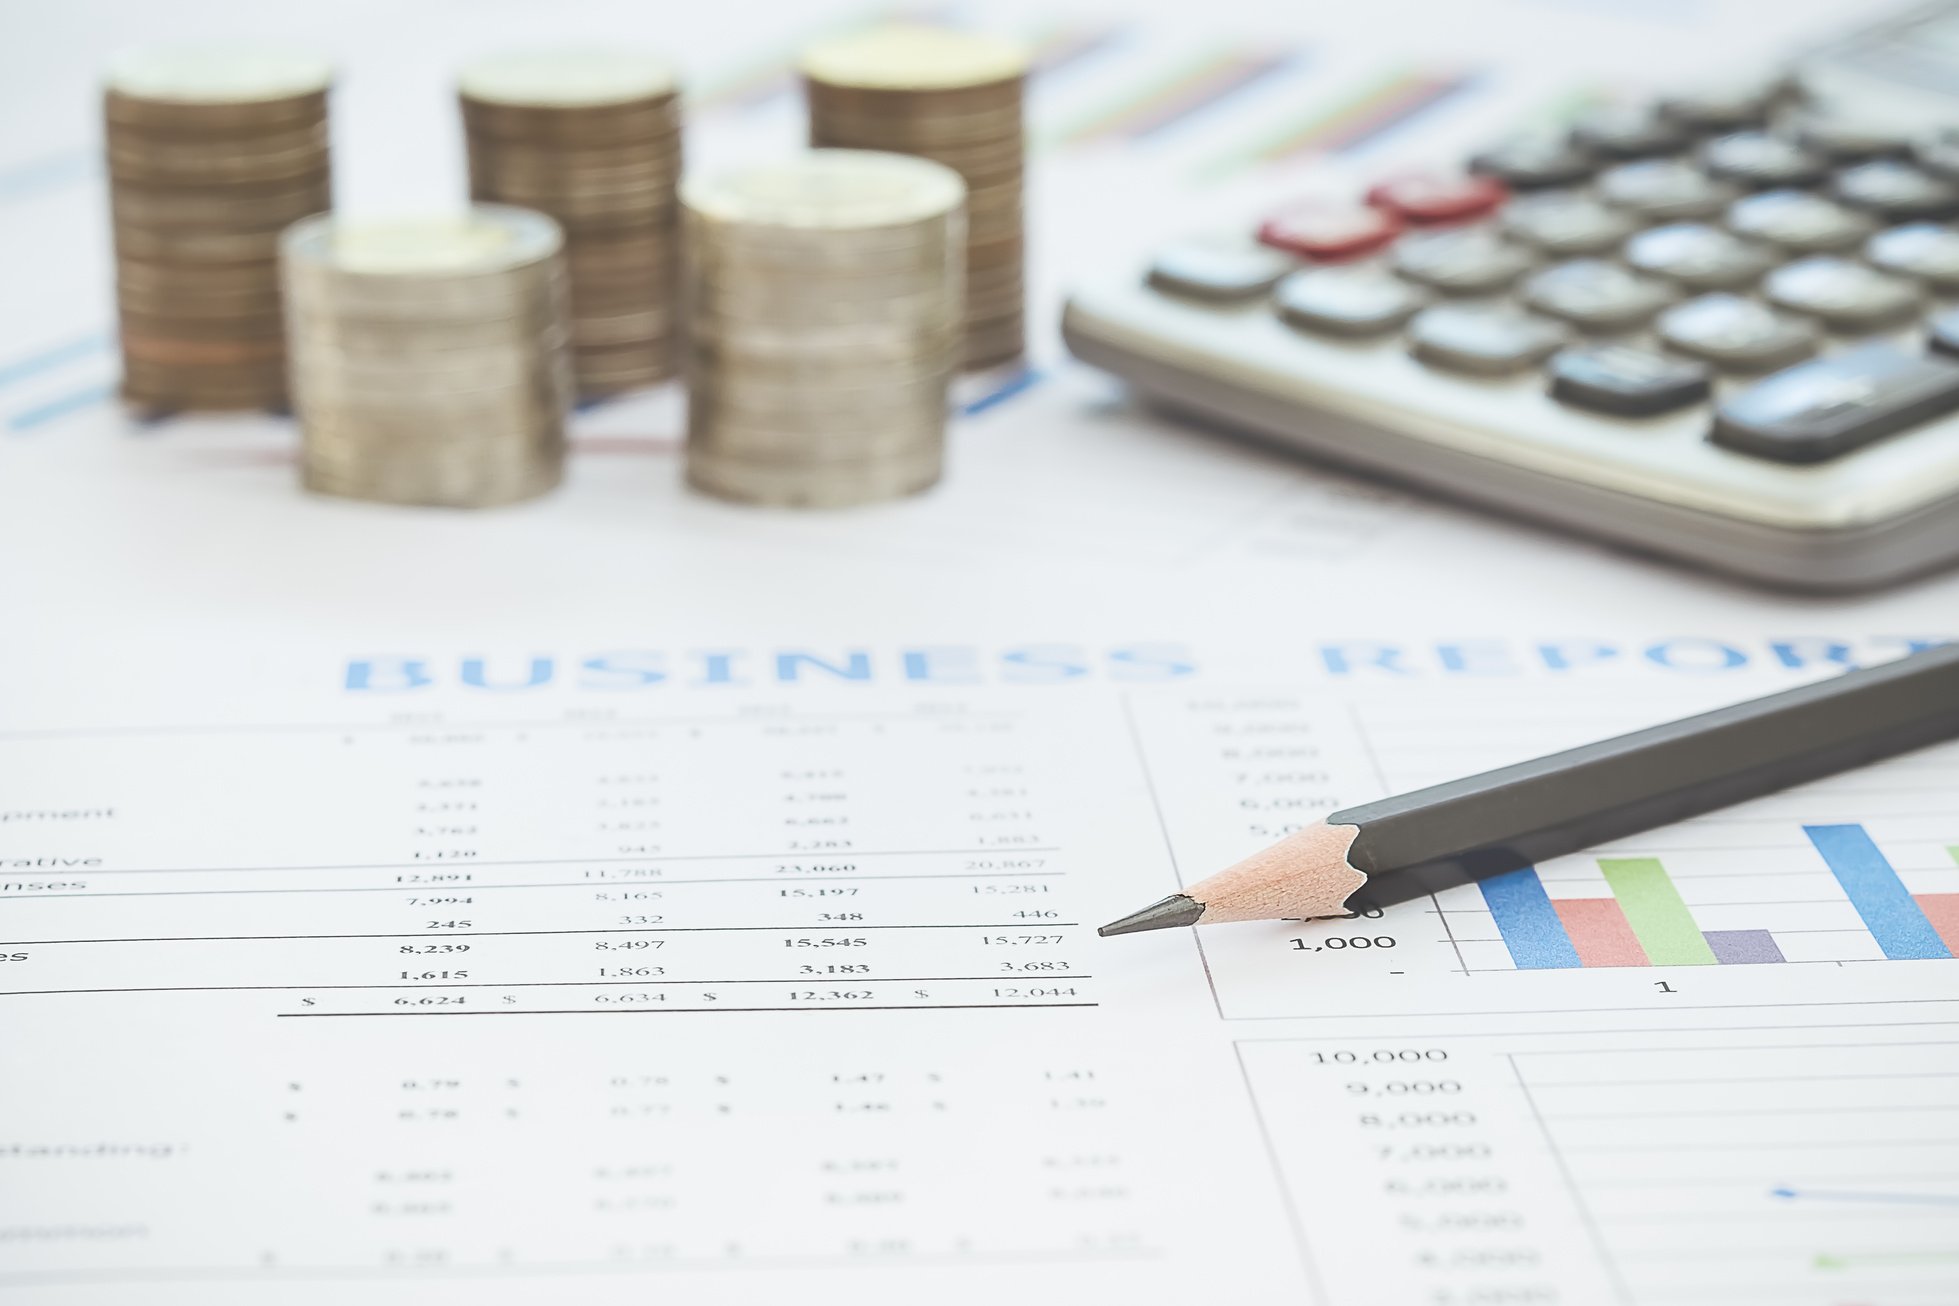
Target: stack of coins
211 155
428 357
954 98
826 323
593 139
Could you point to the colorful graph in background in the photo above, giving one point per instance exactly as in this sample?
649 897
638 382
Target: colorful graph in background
1646 922
1381 108
1170 99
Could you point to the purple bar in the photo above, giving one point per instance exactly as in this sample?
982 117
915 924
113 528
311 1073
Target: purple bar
1742 947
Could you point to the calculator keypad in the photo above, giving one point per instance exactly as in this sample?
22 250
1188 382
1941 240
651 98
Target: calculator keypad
1635 258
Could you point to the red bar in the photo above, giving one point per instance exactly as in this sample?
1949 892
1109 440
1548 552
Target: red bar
1942 910
1598 930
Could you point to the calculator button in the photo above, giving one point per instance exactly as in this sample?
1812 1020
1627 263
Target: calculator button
1661 189
1437 197
1486 340
1724 105
1223 269
1346 301
1629 132
1945 332
1925 251
1595 295
1626 381
1470 261
1896 190
1938 152
1533 160
1848 135
1797 221
1698 256
1562 222
1847 296
1828 407
1758 160
1736 333
1329 230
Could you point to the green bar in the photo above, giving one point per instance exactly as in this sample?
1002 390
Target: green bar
1659 920
1953 852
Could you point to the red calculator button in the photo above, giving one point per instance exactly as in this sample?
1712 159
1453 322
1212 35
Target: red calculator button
1430 197
1325 230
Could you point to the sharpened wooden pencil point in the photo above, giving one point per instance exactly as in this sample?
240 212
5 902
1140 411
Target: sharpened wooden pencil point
1173 912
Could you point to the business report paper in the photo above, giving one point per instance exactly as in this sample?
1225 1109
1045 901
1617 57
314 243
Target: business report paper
720 974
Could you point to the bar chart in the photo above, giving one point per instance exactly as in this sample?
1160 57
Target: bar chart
1836 893
1645 922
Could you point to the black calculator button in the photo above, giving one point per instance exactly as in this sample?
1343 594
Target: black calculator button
1897 190
1467 261
1664 189
1924 251
1698 256
1222 269
1846 296
1849 135
1830 406
1626 381
1535 160
1630 132
1490 341
1798 221
1594 295
1346 301
1938 152
1565 223
1738 334
1758 161
1725 105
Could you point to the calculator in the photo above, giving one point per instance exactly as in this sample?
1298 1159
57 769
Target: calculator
1721 326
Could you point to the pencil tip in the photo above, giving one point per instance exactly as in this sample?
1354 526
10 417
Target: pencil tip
1177 910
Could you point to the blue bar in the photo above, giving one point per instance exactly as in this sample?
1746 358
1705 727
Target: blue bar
1877 893
1529 924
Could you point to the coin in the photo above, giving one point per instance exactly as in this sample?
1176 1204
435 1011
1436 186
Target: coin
825 295
954 98
429 356
210 153
592 138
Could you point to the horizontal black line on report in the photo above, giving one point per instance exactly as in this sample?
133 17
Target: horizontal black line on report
439 935
689 1011
432 986
474 886
844 854
416 1273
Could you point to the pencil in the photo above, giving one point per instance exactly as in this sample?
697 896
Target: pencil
1448 834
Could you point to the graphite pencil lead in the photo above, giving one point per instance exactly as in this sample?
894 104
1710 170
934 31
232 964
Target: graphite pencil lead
1174 912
